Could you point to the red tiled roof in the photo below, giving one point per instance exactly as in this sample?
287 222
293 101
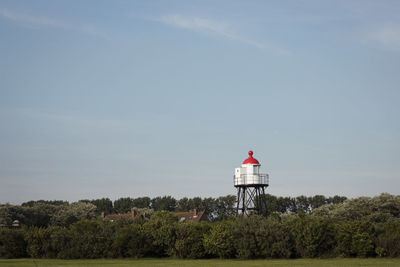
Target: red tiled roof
192 216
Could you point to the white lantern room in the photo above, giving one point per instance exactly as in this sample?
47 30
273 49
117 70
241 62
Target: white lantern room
249 173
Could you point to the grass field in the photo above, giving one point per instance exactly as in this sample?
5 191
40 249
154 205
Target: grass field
198 263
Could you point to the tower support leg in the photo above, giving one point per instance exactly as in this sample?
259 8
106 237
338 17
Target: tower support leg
251 200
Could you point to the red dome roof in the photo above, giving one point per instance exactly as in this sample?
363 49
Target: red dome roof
250 159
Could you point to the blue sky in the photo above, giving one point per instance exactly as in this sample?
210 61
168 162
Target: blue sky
148 98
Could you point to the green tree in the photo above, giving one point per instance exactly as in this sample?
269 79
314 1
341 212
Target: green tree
37 241
382 208
91 239
183 204
123 205
336 200
189 240
102 205
39 214
162 229
209 206
224 207
313 236
141 202
220 240
387 239
9 213
274 238
317 201
246 242
166 203
68 214
272 203
195 203
48 202
303 204
61 243
354 239
133 241
12 243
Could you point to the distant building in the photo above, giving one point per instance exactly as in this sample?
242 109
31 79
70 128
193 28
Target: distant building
15 225
191 216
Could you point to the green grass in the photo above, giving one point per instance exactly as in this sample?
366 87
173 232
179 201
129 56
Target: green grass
198 263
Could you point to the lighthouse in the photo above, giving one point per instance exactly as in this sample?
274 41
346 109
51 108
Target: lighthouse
251 185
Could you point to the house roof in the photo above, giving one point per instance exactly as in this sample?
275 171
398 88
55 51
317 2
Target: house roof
192 216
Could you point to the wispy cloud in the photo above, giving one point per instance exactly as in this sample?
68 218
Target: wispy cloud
32 21
220 28
388 37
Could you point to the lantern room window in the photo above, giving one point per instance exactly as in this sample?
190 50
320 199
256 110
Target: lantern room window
256 169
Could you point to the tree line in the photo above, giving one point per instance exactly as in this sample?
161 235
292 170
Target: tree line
43 213
360 227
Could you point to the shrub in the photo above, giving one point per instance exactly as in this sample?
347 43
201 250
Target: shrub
12 243
246 243
162 229
132 241
274 239
314 237
354 239
387 240
189 240
38 242
90 239
220 240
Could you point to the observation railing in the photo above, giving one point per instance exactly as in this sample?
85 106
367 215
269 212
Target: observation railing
251 179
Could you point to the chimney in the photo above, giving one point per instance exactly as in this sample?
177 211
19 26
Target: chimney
102 215
194 212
